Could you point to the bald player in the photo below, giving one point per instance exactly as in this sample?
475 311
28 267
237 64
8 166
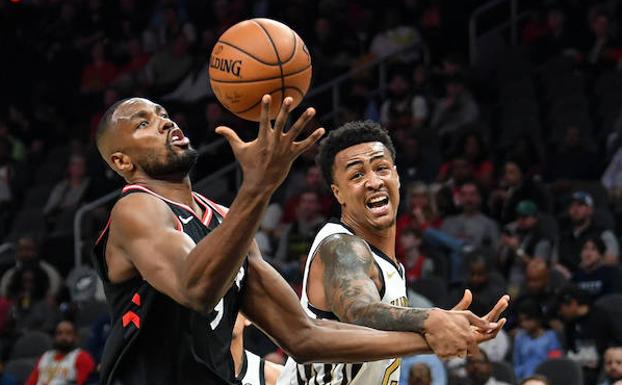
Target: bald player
178 267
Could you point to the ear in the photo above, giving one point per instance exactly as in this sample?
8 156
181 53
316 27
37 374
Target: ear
121 162
336 193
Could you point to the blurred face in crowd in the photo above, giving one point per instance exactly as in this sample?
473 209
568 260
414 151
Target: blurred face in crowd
409 240
536 277
600 26
570 310
478 370
322 29
65 337
591 258
141 138
77 167
555 20
530 325
313 177
534 382
470 198
512 174
454 89
419 374
308 206
572 138
579 213
461 169
366 185
526 222
613 363
399 85
26 250
478 274
419 198
471 147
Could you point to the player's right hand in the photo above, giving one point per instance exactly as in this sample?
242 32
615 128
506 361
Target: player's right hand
266 160
450 333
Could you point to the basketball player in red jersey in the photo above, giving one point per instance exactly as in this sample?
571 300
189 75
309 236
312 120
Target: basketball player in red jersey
177 267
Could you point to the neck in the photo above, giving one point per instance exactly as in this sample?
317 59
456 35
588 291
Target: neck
178 191
237 353
382 239
470 211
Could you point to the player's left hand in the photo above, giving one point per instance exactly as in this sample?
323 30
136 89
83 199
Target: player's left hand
492 316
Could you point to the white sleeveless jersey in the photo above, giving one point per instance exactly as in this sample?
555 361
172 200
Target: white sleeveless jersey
252 372
383 372
61 372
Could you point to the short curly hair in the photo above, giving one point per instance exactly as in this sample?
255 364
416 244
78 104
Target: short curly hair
348 135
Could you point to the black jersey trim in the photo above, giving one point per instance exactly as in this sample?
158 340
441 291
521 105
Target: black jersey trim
262 372
136 187
323 314
244 367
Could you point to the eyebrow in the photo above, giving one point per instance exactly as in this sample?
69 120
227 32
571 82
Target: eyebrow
358 161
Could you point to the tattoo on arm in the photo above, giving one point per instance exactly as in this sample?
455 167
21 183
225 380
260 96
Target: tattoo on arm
352 294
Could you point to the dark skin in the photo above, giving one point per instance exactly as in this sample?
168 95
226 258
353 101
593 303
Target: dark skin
198 275
345 280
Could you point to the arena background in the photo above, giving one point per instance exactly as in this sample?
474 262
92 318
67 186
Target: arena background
506 117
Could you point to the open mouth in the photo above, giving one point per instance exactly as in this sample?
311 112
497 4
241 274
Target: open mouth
378 204
177 138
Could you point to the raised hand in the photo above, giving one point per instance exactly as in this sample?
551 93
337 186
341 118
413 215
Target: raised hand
266 160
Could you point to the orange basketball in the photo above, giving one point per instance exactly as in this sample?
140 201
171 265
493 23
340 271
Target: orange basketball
257 57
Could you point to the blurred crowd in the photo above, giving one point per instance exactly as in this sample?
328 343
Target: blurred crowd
511 169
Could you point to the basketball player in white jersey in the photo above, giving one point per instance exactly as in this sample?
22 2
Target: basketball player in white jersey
352 274
250 369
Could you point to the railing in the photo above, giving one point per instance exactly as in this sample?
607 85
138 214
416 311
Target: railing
335 93
512 23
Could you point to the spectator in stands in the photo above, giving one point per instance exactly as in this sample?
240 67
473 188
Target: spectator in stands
419 374
479 371
311 179
582 227
132 72
613 365
602 52
558 39
593 276
27 255
480 279
472 225
395 36
541 286
401 110
168 66
67 195
515 187
533 344
431 361
18 149
455 110
100 72
448 197
589 328
413 258
473 148
298 236
574 160
420 211
535 380
523 241
66 364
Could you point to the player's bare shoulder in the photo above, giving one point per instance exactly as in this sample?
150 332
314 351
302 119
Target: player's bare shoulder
344 250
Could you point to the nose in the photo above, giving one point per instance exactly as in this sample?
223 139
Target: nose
167 125
374 182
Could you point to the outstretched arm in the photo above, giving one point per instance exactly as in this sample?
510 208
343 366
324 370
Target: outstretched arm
272 306
198 276
353 296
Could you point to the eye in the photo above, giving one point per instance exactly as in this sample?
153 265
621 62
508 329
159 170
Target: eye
143 124
356 175
165 115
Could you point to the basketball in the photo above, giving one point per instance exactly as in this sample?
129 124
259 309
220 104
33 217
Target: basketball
257 57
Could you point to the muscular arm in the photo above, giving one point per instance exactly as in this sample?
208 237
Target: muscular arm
143 233
352 294
272 306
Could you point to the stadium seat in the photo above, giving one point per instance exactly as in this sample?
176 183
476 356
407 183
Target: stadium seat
561 371
20 368
31 345
503 371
